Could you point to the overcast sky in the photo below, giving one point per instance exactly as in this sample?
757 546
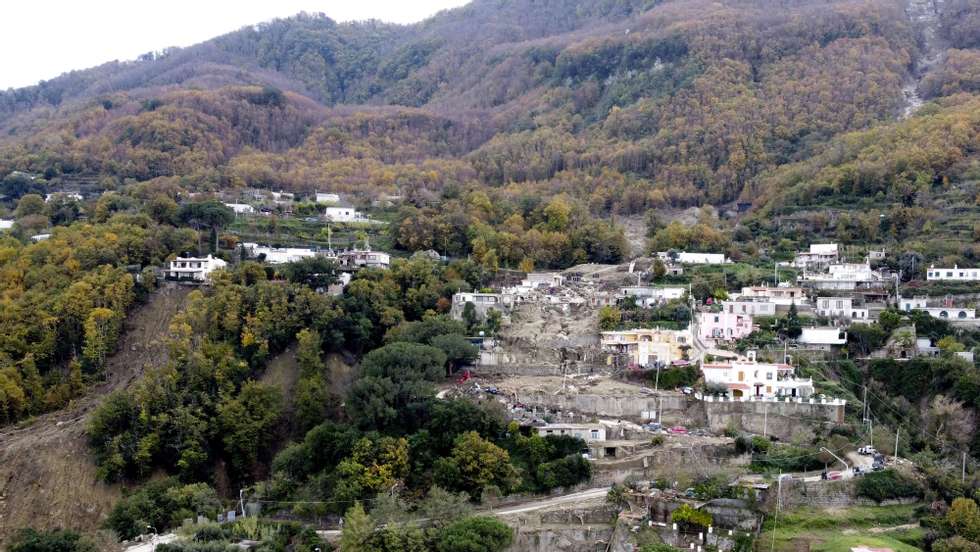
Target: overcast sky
41 39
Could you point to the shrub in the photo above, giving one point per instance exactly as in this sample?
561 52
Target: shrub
657 440
887 485
687 516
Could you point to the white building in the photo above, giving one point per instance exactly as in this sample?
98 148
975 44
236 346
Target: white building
357 258
955 274
482 303
648 296
648 346
278 255
780 295
845 276
585 432
819 255
823 339
937 309
40 237
724 325
343 214
753 306
241 208
841 307
194 269
749 378
325 197
74 196
6 224
683 257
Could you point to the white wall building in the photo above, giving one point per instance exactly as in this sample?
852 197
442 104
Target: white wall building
823 338
326 197
845 276
241 208
749 378
357 258
194 269
74 196
819 255
841 307
753 306
6 224
482 303
955 274
278 255
343 214
585 432
780 295
647 296
683 257
937 309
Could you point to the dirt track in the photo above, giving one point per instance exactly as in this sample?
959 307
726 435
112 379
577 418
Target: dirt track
47 475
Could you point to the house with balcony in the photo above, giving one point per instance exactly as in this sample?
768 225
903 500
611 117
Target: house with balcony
818 256
754 306
362 258
648 347
842 308
846 277
684 257
944 309
781 295
747 377
278 255
194 269
723 325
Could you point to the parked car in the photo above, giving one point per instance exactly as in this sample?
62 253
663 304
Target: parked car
833 475
653 426
687 390
858 471
678 430
867 450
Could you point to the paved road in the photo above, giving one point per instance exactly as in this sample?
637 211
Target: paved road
587 494
151 544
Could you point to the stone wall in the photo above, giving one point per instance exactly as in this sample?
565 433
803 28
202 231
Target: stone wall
776 418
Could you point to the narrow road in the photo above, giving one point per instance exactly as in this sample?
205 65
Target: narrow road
587 494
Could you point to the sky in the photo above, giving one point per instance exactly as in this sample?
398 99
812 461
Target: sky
42 39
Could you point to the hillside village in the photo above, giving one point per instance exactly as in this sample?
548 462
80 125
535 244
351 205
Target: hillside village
521 276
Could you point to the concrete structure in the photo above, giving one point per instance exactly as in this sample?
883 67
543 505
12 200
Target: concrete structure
783 294
647 347
482 303
585 432
943 309
362 258
40 237
754 306
955 274
846 277
326 197
683 257
6 224
748 377
344 213
278 255
194 269
241 208
74 196
648 296
724 325
842 307
824 339
819 255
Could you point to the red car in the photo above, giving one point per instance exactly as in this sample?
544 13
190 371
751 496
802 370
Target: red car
678 430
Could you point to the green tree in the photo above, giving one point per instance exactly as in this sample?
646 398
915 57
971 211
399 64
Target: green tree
475 534
609 318
358 528
100 336
474 464
247 423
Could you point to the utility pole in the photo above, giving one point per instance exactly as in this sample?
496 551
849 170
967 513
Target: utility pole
765 420
656 384
864 415
896 442
871 432
963 474
775 520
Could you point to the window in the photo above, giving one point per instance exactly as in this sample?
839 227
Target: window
595 433
962 314
769 376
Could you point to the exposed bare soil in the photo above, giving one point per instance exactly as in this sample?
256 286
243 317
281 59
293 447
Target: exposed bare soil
47 474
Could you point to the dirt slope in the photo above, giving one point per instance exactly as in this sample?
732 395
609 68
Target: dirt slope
47 475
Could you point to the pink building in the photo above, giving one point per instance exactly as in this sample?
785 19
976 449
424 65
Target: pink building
724 325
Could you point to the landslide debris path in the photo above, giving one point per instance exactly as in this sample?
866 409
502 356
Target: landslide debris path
47 474
924 16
